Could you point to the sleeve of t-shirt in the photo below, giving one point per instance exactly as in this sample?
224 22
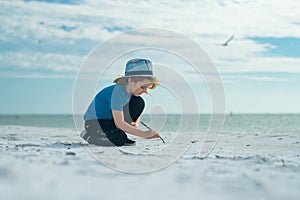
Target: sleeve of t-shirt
117 99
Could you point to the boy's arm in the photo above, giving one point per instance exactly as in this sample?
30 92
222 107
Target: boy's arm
121 124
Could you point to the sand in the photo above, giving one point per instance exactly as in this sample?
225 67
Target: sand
54 163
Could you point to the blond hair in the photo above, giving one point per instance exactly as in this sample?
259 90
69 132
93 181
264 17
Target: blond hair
154 82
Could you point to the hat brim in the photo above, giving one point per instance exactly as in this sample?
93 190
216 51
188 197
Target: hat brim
117 79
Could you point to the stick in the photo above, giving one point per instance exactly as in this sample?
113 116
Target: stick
151 129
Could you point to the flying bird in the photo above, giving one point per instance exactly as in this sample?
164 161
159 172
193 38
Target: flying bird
227 41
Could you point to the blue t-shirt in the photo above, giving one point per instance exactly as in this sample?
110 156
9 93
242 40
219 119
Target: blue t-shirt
113 97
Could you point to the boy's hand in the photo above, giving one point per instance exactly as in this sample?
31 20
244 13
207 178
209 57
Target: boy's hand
152 134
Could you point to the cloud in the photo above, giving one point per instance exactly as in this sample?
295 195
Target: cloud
72 2
28 25
47 62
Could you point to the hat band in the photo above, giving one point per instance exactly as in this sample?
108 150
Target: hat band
140 72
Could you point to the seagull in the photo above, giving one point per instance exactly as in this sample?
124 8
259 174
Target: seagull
227 41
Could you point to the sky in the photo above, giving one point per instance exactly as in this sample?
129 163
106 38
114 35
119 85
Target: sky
44 43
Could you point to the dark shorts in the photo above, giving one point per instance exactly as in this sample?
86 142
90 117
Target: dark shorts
100 128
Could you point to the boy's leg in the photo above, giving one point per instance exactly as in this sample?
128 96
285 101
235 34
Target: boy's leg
104 133
133 109
116 136
94 134
132 112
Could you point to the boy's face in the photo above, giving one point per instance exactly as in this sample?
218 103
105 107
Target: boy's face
141 87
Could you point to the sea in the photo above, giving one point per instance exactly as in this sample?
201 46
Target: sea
248 156
264 123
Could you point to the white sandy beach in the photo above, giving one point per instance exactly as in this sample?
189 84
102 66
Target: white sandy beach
53 163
